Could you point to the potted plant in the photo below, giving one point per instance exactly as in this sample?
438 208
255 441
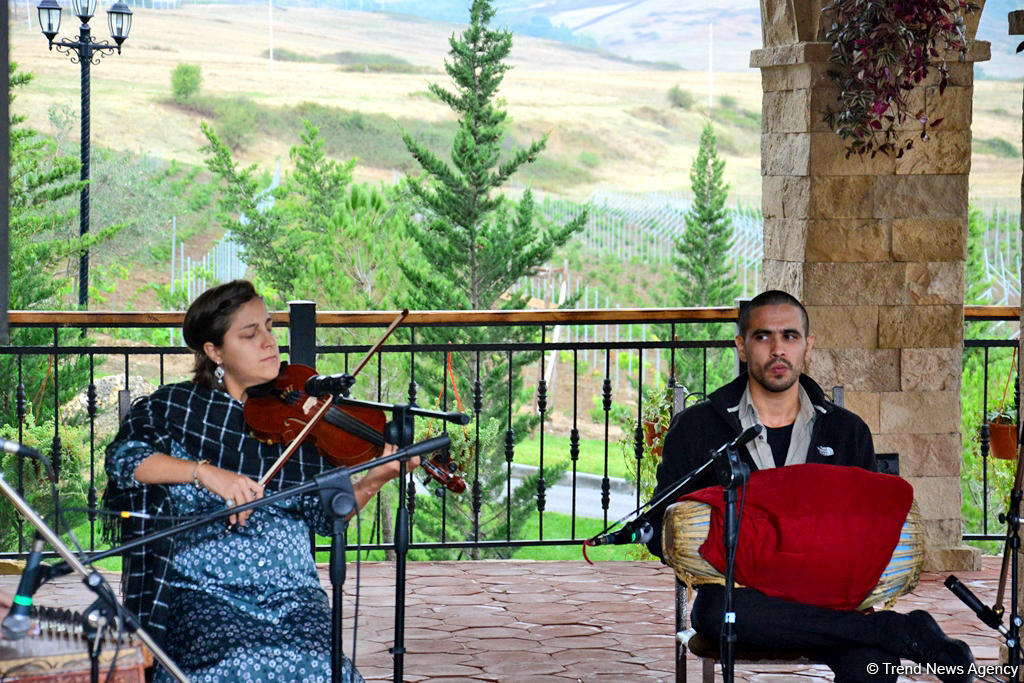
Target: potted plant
1002 422
657 414
1002 434
882 50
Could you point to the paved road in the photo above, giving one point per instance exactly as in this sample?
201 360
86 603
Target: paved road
559 497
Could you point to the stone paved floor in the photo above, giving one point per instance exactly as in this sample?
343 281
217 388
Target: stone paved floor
556 621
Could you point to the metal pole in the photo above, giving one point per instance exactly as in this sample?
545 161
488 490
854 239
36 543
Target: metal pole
5 170
85 59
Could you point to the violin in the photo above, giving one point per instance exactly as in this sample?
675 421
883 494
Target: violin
346 435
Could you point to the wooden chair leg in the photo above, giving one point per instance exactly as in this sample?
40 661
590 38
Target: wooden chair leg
708 666
680 626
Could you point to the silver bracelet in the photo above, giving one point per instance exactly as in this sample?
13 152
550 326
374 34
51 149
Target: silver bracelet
195 473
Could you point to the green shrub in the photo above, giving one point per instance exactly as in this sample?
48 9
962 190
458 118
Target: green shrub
997 147
729 102
589 159
73 473
684 99
285 55
741 118
185 81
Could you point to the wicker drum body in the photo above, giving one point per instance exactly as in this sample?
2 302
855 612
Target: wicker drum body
686 527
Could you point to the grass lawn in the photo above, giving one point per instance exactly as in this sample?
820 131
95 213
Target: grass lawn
556 526
556 449
81 532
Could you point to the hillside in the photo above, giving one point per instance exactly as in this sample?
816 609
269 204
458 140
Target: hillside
610 122
676 31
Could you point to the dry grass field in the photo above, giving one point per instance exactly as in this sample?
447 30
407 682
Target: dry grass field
587 103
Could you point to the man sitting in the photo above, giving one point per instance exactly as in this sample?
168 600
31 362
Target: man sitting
800 426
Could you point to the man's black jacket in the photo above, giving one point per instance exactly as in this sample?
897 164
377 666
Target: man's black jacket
838 437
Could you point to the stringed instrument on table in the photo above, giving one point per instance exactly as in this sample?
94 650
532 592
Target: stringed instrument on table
58 650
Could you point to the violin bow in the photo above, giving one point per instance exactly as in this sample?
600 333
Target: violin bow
327 401
380 342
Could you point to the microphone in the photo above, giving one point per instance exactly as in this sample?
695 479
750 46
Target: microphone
985 613
743 439
16 624
322 385
428 446
733 472
637 531
455 417
20 450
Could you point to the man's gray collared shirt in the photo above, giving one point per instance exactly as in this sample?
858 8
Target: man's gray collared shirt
798 443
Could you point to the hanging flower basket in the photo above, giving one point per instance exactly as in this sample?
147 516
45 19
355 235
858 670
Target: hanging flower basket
1002 440
881 51
1002 424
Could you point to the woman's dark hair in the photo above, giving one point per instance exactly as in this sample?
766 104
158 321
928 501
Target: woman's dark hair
208 319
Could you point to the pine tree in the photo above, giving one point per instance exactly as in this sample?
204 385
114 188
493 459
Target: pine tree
324 237
702 259
476 243
703 249
43 238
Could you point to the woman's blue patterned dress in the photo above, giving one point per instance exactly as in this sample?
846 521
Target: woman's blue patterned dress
245 604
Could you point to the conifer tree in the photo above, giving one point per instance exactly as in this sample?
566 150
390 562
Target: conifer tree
476 243
324 237
702 259
42 239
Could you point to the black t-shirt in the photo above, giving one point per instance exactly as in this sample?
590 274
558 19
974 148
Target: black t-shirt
778 440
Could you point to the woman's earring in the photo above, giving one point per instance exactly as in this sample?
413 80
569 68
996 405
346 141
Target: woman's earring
219 374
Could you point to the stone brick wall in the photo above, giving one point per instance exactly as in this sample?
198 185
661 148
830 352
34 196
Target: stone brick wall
875 248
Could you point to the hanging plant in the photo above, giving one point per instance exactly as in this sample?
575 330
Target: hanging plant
881 50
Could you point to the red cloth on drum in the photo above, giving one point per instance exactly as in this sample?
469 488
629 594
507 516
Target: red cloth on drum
816 534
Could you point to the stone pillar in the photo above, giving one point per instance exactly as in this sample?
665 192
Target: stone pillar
875 248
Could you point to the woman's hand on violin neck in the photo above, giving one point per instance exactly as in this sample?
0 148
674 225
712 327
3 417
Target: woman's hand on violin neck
390 470
367 487
234 488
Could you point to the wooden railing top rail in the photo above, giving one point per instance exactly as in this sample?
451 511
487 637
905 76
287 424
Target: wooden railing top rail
440 318
383 318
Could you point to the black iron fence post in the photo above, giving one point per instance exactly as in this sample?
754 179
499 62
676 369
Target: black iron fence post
302 332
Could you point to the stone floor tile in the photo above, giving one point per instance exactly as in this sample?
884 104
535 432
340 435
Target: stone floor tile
570 621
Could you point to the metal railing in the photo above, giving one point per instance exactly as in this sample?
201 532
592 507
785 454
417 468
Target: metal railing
988 475
525 369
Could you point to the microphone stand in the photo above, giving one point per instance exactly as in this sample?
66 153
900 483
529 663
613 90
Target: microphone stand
400 431
651 507
338 499
335 490
1011 556
96 583
732 474
660 501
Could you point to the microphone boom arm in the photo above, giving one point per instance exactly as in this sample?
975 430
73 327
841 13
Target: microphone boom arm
673 491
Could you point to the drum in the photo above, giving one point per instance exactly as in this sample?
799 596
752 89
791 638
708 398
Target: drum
686 527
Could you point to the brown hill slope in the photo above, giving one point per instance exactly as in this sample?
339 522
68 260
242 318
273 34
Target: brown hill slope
610 122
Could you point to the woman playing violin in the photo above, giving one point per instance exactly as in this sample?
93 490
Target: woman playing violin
229 603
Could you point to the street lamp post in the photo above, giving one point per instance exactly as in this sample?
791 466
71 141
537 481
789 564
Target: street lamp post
85 51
